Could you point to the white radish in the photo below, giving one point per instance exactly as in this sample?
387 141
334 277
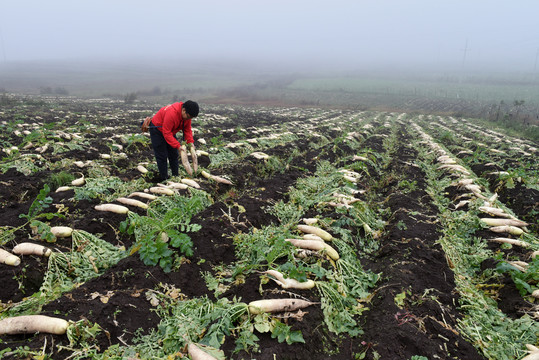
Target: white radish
315 245
132 202
78 182
277 305
316 231
31 324
63 188
191 183
185 160
535 294
198 354
61 231
290 283
312 237
513 230
194 159
179 186
8 258
502 222
510 241
118 209
142 169
216 178
143 195
27 248
162 190
310 221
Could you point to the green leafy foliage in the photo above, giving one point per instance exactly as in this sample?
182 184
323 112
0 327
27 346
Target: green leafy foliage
165 226
526 282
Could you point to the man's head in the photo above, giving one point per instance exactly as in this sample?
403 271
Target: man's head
191 108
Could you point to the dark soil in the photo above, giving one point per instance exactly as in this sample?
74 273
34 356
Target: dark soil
409 260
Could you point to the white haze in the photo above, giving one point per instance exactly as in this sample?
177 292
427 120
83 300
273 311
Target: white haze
289 34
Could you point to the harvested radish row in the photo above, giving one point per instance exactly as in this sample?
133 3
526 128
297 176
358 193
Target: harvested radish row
118 209
8 258
316 231
315 245
132 202
289 283
31 249
277 305
30 324
197 353
61 231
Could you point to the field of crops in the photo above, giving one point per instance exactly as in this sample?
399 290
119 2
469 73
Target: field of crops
386 236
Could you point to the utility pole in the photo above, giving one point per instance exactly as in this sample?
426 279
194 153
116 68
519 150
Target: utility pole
465 51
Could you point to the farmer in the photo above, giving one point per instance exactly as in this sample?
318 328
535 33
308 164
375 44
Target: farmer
163 128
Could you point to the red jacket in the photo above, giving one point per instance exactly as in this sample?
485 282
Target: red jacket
169 120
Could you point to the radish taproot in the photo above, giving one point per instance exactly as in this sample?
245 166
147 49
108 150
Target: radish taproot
191 183
185 161
132 202
510 241
315 245
78 182
61 231
277 305
216 178
197 353
31 324
143 195
142 169
289 283
513 230
63 188
316 231
118 209
502 222
176 185
27 248
162 190
194 159
8 258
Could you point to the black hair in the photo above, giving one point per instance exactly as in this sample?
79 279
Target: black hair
191 108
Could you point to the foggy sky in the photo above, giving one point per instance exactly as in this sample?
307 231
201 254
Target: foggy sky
500 34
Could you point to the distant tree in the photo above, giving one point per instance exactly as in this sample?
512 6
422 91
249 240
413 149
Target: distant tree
518 105
130 98
61 91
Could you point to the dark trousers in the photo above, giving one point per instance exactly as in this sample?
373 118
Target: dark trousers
163 151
